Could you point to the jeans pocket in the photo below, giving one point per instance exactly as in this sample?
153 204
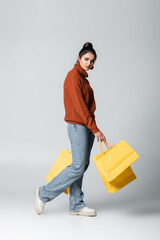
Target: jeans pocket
75 127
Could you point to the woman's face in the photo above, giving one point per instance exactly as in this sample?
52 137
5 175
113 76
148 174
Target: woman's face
87 61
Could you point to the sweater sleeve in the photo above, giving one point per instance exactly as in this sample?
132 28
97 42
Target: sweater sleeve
77 98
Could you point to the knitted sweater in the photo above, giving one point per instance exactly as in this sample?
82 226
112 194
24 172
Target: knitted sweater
78 96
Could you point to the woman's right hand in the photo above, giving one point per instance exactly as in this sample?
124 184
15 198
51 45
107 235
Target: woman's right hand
100 136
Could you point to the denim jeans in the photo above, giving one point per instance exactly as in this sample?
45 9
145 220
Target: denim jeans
81 140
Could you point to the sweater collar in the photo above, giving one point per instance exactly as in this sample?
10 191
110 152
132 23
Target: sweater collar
80 70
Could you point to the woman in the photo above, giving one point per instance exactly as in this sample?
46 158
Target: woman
79 106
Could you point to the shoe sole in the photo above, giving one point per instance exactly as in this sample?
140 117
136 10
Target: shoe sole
35 200
83 214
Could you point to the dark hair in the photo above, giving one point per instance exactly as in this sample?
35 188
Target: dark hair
87 47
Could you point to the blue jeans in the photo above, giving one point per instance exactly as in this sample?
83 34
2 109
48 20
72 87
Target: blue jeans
81 139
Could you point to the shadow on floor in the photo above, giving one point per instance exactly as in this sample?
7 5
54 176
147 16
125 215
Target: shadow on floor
135 205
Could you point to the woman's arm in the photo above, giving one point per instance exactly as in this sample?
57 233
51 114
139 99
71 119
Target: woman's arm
77 98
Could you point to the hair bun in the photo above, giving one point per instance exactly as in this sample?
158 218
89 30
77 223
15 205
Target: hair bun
88 45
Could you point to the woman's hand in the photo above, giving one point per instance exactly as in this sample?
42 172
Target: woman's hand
100 136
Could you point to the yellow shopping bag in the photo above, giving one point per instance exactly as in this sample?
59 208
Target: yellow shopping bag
118 158
64 159
113 165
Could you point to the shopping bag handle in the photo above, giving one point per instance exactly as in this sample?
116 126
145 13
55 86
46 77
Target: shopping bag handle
107 145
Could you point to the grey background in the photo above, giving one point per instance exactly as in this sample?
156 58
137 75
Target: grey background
39 44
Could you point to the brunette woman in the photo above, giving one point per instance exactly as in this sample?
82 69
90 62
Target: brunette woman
79 104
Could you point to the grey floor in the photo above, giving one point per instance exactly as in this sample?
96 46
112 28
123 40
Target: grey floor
123 220
131 213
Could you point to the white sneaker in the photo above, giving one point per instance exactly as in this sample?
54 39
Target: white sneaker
89 212
38 204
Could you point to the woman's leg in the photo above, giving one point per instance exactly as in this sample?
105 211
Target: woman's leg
72 172
76 195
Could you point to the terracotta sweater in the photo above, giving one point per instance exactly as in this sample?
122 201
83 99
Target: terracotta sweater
78 96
